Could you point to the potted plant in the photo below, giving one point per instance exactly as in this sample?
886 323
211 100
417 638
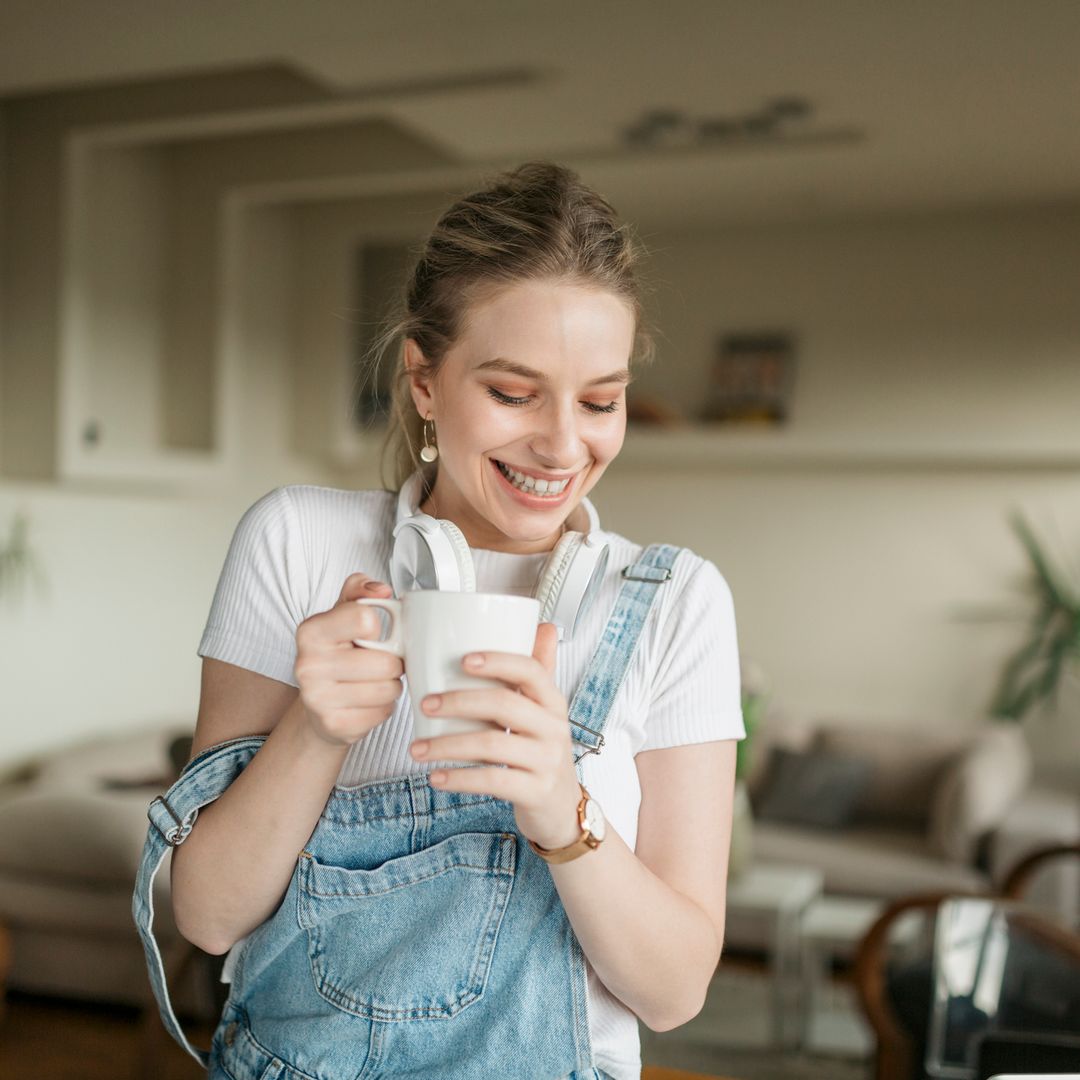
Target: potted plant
18 563
742 824
1036 671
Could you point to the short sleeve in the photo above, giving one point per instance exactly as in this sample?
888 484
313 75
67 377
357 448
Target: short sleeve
696 695
262 593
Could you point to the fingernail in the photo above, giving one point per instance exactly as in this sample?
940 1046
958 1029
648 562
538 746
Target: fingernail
371 586
431 702
438 778
474 660
419 749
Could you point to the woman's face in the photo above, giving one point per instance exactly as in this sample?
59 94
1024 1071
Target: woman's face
534 387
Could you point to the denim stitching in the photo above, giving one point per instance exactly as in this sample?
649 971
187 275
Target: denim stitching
503 876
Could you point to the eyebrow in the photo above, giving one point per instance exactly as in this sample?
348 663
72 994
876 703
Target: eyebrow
500 363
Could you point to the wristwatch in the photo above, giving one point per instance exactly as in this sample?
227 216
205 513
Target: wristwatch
593 827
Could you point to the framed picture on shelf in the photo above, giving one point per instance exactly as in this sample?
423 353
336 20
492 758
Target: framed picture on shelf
752 377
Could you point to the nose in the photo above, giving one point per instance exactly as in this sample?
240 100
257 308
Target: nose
557 440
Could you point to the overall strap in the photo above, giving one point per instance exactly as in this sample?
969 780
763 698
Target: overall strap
596 692
171 817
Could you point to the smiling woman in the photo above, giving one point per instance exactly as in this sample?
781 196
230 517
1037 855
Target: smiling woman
460 906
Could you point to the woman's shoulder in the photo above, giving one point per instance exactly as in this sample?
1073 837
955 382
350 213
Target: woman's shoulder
690 568
317 504
318 498
311 521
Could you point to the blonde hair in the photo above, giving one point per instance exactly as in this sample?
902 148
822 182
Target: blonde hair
535 222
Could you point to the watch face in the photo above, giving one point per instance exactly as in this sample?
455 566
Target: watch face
594 819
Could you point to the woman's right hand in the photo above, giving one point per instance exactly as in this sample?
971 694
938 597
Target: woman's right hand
346 690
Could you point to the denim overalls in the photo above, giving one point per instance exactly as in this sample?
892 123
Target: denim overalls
419 937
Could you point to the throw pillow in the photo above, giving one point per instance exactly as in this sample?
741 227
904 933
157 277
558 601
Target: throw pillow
908 763
979 790
812 788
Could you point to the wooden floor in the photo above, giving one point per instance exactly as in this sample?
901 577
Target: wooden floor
43 1039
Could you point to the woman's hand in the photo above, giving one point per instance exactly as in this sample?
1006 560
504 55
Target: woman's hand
346 690
540 779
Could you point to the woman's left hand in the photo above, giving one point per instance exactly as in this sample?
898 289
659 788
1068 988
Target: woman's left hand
539 780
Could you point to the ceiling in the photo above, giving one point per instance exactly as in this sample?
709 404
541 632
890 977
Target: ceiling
933 104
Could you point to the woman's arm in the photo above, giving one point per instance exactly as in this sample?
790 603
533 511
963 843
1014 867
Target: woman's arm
232 871
651 921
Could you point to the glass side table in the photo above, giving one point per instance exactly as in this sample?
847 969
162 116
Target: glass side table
773 897
999 967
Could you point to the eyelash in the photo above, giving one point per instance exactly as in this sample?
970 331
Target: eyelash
505 399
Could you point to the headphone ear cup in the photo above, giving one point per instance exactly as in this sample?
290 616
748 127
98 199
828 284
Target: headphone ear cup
554 575
460 547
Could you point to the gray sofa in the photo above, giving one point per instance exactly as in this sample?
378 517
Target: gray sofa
935 809
72 824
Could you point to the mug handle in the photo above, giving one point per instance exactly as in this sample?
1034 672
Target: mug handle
392 644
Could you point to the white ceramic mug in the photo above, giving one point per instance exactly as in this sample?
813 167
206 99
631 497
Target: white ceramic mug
432 631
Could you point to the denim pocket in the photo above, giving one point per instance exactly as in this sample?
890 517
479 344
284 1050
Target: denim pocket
414 938
236 1055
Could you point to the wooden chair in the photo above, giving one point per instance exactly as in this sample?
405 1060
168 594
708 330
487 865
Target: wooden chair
897 1053
5 966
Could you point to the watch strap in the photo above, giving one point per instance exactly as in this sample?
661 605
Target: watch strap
584 843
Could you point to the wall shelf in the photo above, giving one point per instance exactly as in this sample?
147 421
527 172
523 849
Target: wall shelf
703 446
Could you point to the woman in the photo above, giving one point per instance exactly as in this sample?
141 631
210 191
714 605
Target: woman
372 954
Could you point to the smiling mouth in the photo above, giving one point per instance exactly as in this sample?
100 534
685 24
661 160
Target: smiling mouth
531 485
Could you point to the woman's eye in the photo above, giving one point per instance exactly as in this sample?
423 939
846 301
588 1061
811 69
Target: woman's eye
507 399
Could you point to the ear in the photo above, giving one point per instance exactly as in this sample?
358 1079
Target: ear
420 386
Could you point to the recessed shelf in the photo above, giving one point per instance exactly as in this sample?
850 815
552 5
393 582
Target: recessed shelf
706 446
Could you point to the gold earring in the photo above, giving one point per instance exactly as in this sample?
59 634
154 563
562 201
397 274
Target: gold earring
429 451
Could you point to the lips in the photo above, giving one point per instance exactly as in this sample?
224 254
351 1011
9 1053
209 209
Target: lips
536 500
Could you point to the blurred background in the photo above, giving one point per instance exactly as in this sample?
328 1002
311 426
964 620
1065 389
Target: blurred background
863 225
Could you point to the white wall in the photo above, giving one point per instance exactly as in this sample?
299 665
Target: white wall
961 327
855 585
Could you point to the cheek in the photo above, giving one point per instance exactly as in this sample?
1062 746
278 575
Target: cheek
609 443
482 425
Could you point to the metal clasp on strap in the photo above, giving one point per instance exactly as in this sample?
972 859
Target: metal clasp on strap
589 749
175 836
656 574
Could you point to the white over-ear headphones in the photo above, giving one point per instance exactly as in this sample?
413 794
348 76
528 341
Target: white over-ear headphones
432 553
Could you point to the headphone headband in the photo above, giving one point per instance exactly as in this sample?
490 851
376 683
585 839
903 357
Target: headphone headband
432 553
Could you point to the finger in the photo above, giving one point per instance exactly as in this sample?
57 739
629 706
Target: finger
358 695
500 783
546 646
338 627
524 673
498 705
345 621
494 747
365 665
357 585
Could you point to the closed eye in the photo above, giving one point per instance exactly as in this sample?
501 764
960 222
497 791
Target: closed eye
506 399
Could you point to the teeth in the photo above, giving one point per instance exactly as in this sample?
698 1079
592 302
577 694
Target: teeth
531 484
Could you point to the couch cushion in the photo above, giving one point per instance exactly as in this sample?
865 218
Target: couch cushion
908 763
979 789
125 757
91 838
814 789
864 861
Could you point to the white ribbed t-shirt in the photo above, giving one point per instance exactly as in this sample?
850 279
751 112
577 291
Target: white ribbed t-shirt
292 551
